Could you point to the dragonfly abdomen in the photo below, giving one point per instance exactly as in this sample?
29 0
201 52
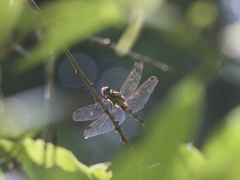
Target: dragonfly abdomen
125 107
135 116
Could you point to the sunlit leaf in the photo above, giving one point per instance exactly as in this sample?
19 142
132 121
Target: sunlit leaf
56 162
132 32
174 124
187 162
222 150
10 13
140 11
69 22
5 146
99 171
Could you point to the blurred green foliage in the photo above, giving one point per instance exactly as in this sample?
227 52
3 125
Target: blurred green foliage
163 154
31 156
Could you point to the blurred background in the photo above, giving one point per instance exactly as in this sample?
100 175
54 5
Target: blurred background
39 88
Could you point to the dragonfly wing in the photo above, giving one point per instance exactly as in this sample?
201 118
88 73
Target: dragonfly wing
139 97
132 80
90 112
104 124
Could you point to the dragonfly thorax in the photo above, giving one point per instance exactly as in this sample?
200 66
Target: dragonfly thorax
106 91
115 97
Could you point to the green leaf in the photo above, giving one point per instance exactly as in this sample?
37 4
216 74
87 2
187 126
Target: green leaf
69 22
130 35
187 163
56 163
222 150
98 171
10 13
5 147
174 124
140 11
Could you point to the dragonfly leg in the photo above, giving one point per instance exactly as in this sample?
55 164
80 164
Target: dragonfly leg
113 105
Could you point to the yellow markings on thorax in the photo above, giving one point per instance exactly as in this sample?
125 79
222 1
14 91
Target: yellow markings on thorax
117 98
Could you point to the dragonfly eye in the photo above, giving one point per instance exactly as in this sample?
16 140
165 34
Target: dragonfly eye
106 90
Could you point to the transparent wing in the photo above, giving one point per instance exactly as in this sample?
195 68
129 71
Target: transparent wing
90 112
104 124
132 80
138 98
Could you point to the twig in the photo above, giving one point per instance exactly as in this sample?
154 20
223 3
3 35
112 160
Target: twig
21 50
48 96
48 92
79 71
34 6
133 55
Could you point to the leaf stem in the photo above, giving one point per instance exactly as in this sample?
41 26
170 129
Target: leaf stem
133 55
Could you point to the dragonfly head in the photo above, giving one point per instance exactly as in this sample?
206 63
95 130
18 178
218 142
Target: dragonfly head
106 91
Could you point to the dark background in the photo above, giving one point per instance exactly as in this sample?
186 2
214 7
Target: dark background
104 67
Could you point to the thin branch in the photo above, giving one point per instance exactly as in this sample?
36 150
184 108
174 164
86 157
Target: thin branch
48 93
48 96
133 55
34 6
79 71
21 50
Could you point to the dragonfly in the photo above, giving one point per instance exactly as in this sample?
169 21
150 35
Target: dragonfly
129 99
